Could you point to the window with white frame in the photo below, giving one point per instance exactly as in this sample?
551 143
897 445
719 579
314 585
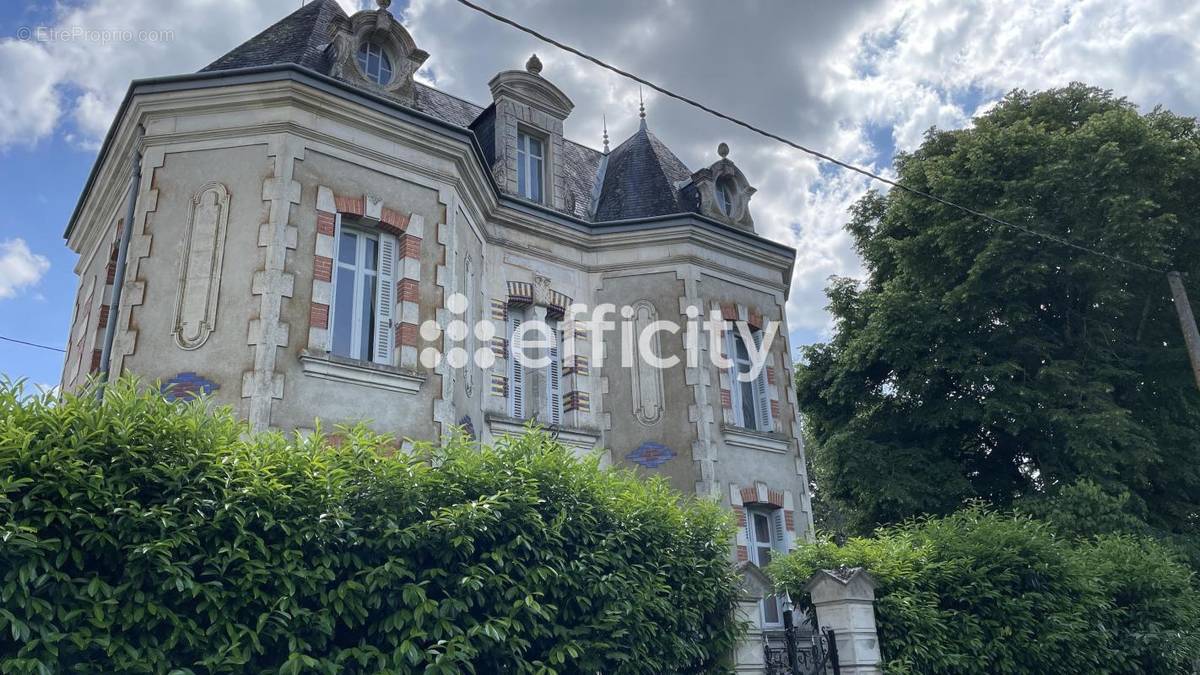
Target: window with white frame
374 63
360 318
766 536
531 158
550 412
751 406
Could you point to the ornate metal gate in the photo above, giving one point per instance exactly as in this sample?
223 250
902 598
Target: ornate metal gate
815 652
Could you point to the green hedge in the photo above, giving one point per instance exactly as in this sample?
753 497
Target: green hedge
979 591
144 536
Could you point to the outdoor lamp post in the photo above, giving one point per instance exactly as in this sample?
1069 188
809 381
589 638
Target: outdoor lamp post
789 633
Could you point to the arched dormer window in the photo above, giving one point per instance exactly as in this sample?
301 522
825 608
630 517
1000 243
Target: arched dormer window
375 64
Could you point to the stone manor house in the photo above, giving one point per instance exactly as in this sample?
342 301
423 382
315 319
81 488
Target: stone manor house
303 205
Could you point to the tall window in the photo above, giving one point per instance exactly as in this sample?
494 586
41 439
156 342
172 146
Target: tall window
375 63
550 411
725 195
530 160
751 407
363 298
765 535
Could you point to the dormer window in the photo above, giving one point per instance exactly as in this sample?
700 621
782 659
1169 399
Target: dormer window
375 64
531 159
725 192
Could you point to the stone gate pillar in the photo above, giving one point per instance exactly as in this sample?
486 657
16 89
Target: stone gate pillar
844 600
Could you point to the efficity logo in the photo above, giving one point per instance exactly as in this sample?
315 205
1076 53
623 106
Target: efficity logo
534 342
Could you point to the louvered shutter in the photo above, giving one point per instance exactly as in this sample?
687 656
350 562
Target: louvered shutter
554 385
763 402
750 533
778 531
385 299
516 372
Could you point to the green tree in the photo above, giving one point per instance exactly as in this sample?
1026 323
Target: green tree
980 362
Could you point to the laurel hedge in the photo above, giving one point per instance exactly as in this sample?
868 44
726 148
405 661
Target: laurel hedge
141 536
986 592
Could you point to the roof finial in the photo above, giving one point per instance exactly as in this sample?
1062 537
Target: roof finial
641 109
383 4
534 65
604 120
723 150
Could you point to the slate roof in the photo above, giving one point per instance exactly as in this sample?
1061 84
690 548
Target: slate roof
641 176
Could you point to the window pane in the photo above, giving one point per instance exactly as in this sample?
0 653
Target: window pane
742 355
762 528
372 258
348 248
749 403
771 609
522 180
535 147
764 556
343 313
366 338
535 180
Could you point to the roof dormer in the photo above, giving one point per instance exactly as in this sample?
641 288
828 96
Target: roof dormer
373 50
528 135
723 192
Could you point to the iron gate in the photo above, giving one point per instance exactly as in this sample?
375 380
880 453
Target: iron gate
815 652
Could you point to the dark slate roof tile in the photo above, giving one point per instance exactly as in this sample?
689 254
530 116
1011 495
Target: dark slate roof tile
298 38
640 180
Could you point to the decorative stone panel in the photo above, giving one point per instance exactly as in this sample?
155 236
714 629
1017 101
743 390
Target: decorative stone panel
197 299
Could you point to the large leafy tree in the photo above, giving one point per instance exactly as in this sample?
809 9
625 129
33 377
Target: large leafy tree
977 361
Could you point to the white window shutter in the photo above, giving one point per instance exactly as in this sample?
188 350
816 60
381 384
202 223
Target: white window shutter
554 384
763 404
778 531
750 541
516 374
385 299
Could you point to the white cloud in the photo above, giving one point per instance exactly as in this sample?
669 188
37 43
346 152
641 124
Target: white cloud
29 104
19 267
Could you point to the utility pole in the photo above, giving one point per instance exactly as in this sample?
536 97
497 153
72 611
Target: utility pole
1187 322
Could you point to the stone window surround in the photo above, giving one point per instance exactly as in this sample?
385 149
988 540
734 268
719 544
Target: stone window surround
762 495
408 229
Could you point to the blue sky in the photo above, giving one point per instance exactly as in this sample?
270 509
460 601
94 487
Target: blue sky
860 79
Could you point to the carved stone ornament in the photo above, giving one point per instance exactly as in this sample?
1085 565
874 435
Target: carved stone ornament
646 380
706 182
380 27
200 266
541 291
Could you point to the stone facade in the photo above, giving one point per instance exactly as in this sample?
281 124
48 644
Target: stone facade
231 270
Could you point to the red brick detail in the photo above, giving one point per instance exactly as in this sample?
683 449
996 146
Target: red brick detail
325 223
726 399
775 409
322 268
406 334
742 554
749 495
318 315
95 360
394 219
770 375
110 272
741 515
103 321
789 520
407 290
775 498
754 318
351 205
729 311
410 247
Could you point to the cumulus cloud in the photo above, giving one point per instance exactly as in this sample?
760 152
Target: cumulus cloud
19 267
858 79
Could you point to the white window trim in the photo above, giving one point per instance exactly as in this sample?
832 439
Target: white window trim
762 404
384 274
362 373
778 543
525 161
551 409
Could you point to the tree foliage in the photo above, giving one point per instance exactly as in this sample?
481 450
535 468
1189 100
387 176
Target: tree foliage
983 592
980 362
140 536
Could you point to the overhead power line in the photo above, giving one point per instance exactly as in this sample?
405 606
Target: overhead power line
815 153
32 344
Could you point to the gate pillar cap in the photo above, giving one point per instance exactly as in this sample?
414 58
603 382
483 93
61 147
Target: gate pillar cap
755 584
844 583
